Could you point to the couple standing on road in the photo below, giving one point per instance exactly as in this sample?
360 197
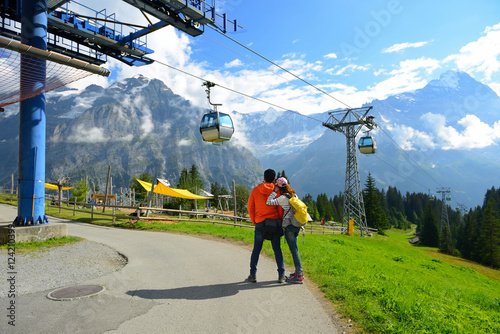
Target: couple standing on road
263 204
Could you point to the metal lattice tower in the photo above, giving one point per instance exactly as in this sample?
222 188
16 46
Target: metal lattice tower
349 122
444 207
462 209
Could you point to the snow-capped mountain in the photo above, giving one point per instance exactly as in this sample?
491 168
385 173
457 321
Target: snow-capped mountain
444 134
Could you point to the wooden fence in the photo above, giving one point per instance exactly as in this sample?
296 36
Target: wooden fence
158 214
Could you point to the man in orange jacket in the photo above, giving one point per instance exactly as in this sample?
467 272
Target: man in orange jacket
260 211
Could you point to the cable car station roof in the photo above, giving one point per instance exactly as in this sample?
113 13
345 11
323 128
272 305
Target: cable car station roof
92 38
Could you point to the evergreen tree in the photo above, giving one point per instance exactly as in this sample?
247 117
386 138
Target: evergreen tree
324 208
375 215
312 209
80 190
395 200
140 192
445 241
189 180
467 237
429 236
216 191
282 174
338 204
490 236
242 195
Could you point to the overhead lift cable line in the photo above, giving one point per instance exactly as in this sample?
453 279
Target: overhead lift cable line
282 68
261 66
388 164
235 91
253 61
409 156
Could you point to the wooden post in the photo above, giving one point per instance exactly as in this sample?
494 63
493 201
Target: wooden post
67 197
74 207
87 192
196 201
92 212
106 190
114 208
12 187
121 196
60 197
234 200
180 208
150 199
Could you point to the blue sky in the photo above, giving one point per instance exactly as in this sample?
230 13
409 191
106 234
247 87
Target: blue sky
355 50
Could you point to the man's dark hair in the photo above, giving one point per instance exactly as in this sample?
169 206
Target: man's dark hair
269 175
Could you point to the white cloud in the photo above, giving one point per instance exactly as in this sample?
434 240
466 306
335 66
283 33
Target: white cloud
412 74
184 142
234 63
351 68
475 133
410 139
331 56
175 49
495 87
481 56
403 46
87 135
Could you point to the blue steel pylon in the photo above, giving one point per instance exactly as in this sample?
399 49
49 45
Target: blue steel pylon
31 170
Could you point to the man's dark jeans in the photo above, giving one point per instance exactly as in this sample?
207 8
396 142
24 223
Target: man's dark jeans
257 247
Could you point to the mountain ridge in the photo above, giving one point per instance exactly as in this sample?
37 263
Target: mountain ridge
139 124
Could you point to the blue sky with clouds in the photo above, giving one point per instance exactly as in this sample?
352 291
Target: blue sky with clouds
355 50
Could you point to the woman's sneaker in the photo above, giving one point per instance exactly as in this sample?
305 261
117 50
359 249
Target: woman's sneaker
296 279
252 278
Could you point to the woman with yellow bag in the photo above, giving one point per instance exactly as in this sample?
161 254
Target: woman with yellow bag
291 226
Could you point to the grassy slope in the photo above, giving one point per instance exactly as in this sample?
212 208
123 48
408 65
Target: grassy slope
384 284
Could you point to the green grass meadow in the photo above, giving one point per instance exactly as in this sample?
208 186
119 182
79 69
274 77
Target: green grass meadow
382 283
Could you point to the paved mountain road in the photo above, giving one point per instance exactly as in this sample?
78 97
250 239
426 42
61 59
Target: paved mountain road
173 283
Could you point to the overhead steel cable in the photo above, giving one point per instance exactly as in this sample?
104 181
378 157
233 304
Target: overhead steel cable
234 90
388 164
409 156
280 67
253 61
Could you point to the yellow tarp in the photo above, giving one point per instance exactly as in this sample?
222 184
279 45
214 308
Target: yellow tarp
160 188
53 186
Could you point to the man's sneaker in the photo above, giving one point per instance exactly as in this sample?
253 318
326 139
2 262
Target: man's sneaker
252 278
293 274
296 279
281 279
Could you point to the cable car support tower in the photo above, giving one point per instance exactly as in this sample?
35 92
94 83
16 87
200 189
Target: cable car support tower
350 122
444 207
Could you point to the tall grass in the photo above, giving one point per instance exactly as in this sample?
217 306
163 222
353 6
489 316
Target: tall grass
386 286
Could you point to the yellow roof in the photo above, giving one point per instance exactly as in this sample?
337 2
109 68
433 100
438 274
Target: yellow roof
160 188
53 186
